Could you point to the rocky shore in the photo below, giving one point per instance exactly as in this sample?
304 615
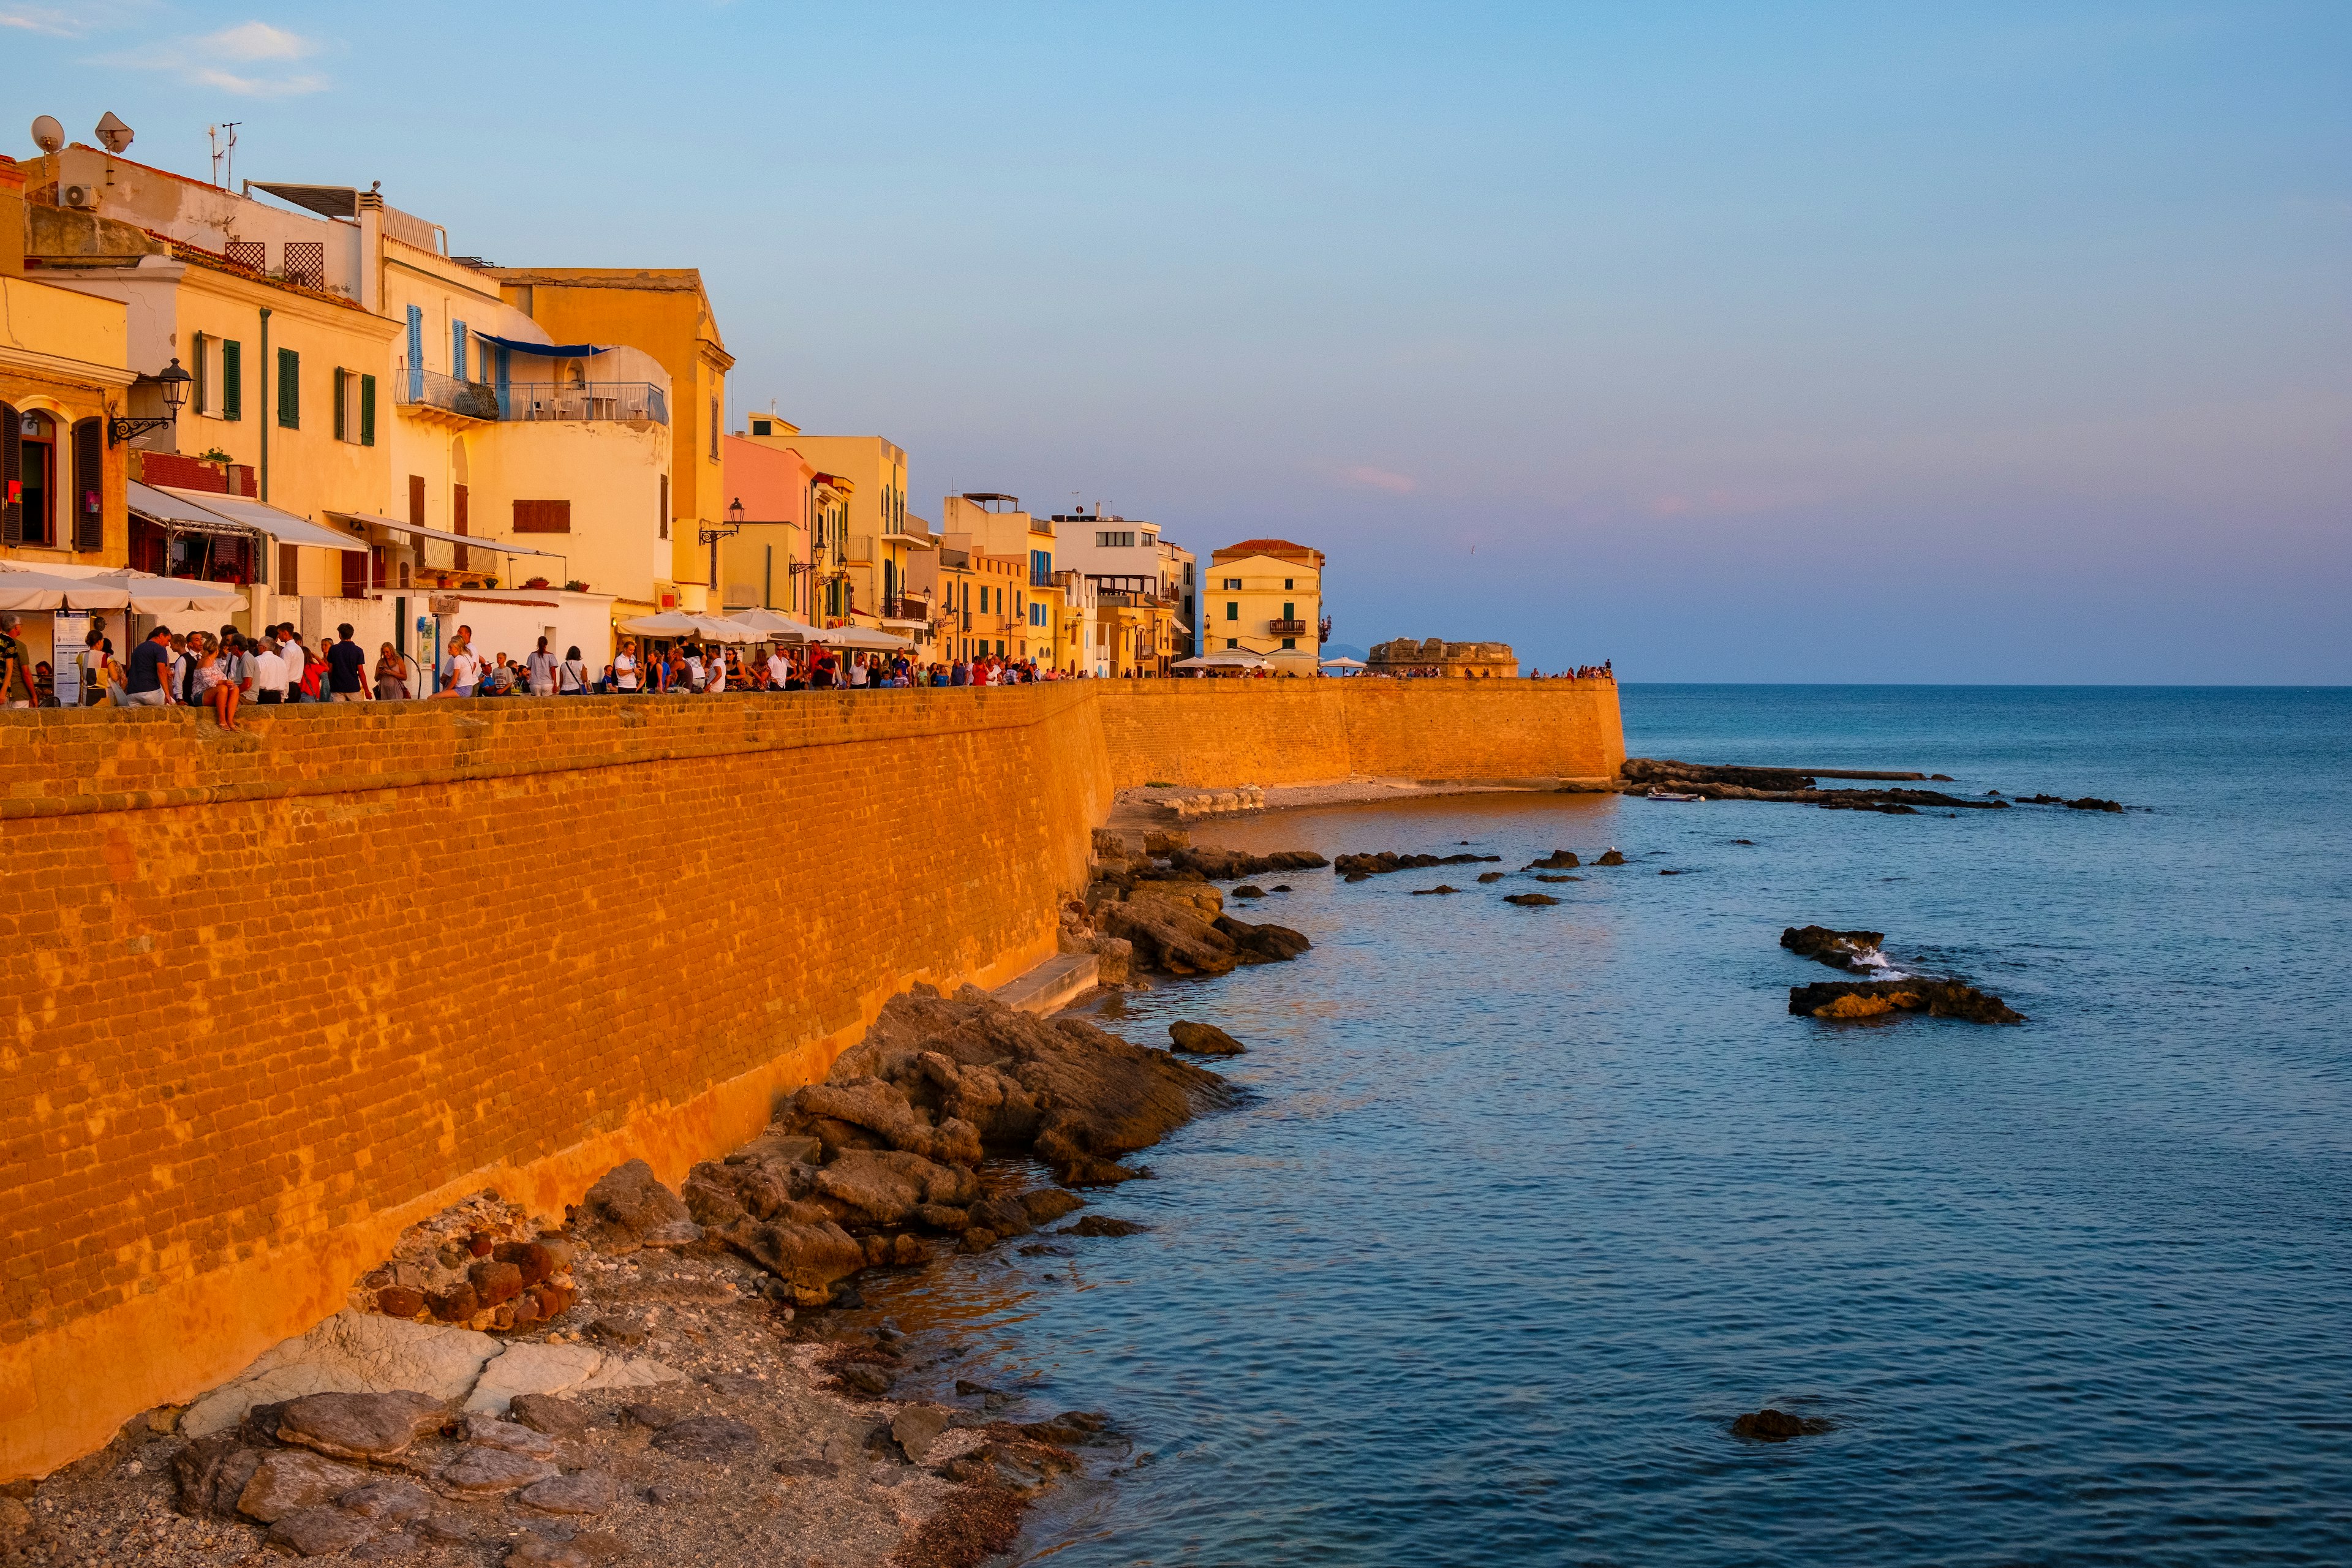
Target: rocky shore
671 1378
1796 786
1847 1001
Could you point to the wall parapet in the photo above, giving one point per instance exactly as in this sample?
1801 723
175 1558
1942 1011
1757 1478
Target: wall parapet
280 994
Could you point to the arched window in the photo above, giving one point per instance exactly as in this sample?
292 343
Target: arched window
36 478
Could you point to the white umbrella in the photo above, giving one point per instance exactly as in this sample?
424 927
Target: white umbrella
718 628
857 637
768 623
49 591
1344 663
1224 658
153 595
669 623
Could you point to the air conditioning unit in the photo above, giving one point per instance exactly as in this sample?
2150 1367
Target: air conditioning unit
82 196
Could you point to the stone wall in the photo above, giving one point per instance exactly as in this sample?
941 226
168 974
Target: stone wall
278 994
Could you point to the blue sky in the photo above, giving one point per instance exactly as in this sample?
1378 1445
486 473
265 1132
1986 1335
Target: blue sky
1802 343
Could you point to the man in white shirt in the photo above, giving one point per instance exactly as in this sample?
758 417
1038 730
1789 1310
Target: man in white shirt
714 671
290 649
780 669
269 673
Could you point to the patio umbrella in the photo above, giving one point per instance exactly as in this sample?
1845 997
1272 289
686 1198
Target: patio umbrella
50 591
669 623
1224 658
1345 664
768 623
857 637
719 628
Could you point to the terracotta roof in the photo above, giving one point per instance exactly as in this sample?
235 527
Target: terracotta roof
1275 547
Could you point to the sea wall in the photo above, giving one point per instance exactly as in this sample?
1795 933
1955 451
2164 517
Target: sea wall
275 995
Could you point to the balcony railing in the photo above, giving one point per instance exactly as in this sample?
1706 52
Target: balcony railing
907 607
536 400
431 389
532 401
1287 628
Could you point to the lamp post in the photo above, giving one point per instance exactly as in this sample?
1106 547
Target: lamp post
709 535
174 382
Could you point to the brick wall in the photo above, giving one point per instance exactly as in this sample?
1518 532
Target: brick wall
280 994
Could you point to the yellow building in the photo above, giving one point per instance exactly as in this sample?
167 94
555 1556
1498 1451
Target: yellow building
868 542
1265 595
666 313
992 525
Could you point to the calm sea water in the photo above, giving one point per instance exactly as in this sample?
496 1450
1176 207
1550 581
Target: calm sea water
1524 1205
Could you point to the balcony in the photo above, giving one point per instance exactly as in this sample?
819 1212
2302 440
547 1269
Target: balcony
637 402
431 392
907 607
1287 628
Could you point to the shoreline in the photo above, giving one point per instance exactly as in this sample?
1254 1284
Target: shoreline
1141 808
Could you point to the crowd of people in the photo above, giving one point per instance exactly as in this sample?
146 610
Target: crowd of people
1605 670
222 671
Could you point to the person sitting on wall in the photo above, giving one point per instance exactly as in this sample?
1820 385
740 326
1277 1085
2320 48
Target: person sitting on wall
498 680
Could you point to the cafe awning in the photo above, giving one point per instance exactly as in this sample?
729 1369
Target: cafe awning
370 520
546 351
203 512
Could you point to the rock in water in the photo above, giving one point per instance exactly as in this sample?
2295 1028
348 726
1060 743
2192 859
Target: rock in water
1530 901
1611 858
1490 876
1203 1039
1777 1426
1850 999
1262 943
1103 1225
1838 949
1558 860
1441 887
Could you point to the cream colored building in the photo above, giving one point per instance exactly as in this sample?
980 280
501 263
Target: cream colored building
866 541
1265 595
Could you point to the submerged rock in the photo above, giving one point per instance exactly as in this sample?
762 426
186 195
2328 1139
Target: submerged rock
1380 864
1558 860
1226 865
1203 1039
1611 859
1530 901
1441 887
1770 1425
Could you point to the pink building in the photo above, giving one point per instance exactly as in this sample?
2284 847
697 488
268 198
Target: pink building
767 560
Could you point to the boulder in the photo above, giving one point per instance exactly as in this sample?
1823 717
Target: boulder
495 1282
583 1492
886 1185
1530 901
292 1479
1203 1039
628 1208
916 1428
1611 858
393 1499
1002 1217
210 1474
490 1432
319 1531
359 1426
1558 860
488 1472
1103 1225
1484 877
1441 887
1262 943
1171 936
808 1258
1046 1205
883 1109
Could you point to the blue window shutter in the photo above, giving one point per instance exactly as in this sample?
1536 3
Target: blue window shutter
457 349
415 354
505 411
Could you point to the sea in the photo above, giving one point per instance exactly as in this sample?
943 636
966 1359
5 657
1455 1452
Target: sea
1518 1207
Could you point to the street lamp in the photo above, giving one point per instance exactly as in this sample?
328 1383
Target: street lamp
710 536
735 512
174 382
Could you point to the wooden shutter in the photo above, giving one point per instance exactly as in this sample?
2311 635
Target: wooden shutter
232 379
88 484
343 382
543 517
460 518
289 390
367 411
12 478
416 500
201 402
354 574
290 569
665 506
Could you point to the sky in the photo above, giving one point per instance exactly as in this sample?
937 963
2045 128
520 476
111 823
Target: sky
1789 342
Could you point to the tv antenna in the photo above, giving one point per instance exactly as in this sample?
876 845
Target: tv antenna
223 141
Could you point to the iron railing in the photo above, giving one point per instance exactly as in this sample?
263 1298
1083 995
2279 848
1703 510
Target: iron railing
575 400
1287 628
473 399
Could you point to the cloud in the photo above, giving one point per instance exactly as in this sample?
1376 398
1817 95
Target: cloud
252 60
54 21
1382 480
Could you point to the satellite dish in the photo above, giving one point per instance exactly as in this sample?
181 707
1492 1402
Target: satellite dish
47 134
113 133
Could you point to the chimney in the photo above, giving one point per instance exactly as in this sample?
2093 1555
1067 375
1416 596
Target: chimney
372 249
12 218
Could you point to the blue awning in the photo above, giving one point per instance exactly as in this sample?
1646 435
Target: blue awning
550 351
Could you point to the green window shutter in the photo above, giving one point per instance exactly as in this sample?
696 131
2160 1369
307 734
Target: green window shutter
232 379
202 400
342 384
367 411
289 390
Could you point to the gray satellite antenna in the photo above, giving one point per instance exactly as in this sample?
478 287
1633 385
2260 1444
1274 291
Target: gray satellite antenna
47 134
113 133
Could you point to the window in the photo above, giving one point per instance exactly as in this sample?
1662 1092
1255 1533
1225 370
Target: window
88 476
1233 641
457 349
714 429
1116 540
367 411
346 392
200 389
762 427
1290 642
1288 585
232 380
1289 611
30 466
1232 611
1188 574
543 517
289 390
665 506
415 354
1233 585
